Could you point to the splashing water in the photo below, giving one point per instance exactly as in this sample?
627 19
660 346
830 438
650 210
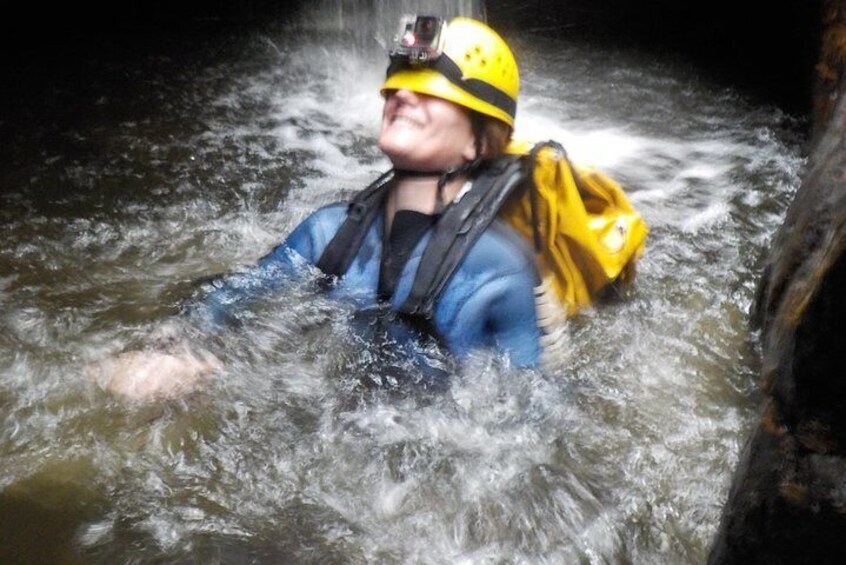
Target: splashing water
622 453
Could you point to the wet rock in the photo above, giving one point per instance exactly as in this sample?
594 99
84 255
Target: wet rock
787 503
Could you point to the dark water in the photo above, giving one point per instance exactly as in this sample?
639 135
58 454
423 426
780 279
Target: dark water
133 174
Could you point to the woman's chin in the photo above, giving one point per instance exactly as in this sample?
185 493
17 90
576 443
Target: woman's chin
394 145
402 157
408 159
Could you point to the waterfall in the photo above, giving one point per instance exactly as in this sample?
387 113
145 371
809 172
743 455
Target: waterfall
376 21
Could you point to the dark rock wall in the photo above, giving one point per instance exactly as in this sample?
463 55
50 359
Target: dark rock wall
766 48
831 67
788 499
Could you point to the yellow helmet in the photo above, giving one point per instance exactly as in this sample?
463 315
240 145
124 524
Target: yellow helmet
472 67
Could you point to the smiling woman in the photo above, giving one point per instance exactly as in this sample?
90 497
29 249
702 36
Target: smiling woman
448 113
450 100
424 133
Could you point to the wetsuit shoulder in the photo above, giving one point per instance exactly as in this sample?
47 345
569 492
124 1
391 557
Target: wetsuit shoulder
490 301
302 247
512 252
311 236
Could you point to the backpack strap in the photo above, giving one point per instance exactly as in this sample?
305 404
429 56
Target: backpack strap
529 170
461 225
361 212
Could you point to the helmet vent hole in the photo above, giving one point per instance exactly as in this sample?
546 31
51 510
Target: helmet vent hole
483 62
477 49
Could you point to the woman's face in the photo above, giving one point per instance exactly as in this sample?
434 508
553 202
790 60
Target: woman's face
424 133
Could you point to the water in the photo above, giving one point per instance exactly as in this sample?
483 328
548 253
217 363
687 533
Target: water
118 191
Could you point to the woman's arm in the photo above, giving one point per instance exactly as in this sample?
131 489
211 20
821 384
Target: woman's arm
170 366
224 295
512 319
501 314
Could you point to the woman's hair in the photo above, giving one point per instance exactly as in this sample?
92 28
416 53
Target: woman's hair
492 135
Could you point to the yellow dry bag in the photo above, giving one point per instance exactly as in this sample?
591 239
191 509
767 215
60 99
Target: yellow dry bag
586 233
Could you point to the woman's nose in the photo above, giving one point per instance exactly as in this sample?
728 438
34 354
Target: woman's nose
406 96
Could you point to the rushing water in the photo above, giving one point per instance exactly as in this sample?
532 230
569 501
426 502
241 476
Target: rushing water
122 188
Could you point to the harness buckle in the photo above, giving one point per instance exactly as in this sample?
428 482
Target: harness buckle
356 211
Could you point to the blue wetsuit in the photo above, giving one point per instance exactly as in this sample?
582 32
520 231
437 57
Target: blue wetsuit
488 303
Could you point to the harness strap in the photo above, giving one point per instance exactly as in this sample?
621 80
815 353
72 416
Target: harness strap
460 226
534 197
361 212
458 229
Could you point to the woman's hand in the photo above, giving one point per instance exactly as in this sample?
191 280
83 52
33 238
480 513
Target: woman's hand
142 375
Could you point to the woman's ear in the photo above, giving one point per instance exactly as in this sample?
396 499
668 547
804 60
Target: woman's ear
473 149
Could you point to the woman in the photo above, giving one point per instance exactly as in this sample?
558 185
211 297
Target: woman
450 100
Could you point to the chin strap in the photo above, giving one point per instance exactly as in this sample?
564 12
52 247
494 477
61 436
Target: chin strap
467 167
413 173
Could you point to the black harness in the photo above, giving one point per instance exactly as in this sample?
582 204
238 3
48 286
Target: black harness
458 228
456 231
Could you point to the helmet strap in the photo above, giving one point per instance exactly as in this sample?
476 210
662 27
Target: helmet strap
415 174
468 168
444 177
477 124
